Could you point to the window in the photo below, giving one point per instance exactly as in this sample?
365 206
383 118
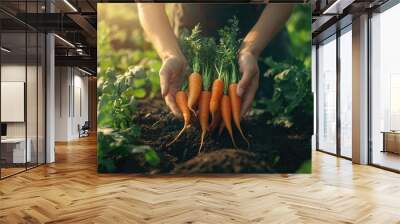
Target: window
385 88
346 92
327 96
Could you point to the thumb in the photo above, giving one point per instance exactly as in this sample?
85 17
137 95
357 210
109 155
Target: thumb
164 80
244 83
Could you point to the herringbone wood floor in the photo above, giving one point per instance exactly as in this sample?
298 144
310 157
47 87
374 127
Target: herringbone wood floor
70 191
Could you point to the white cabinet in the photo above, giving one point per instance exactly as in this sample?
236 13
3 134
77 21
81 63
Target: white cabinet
18 149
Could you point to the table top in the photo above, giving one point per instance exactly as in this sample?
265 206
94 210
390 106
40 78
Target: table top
391 132
13 140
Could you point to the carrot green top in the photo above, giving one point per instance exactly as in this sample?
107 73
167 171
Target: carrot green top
190 43
235 73
195 45
227 50
226 84
207 55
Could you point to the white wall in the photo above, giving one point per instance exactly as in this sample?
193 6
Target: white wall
33 127
62 81
70 83
80 110
12 73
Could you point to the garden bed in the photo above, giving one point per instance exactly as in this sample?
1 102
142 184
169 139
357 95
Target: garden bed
272 150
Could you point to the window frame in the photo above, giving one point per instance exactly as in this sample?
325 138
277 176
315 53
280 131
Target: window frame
338 33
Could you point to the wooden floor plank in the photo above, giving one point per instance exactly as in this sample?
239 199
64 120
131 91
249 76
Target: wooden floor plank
71 191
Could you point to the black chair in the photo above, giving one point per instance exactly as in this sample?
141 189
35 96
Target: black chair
84 130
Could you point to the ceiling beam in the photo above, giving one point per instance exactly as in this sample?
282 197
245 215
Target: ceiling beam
78 61
84 24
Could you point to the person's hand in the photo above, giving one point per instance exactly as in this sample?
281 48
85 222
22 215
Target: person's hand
248 84
170 81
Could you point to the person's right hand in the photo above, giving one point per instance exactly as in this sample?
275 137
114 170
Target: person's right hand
171 73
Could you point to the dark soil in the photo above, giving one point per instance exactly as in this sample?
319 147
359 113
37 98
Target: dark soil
272 149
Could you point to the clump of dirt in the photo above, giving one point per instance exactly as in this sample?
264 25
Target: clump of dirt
272 149
224 161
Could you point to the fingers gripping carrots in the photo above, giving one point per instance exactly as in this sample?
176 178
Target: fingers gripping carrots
181 101
216 64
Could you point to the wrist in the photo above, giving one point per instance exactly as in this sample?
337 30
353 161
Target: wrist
248 52
250 46
175 56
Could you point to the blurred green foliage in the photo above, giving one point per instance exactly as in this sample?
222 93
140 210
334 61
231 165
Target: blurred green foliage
291 104
305 168
299 29
124 76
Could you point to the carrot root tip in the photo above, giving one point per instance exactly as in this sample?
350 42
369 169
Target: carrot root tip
244 138
177 136
233 142
192 110
202 141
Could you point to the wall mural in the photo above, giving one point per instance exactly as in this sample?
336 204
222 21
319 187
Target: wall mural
204 88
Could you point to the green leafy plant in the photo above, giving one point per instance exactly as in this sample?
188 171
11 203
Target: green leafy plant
119 87
291 105
114 145
305 167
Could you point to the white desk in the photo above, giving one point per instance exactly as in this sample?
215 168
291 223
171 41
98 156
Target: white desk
18 149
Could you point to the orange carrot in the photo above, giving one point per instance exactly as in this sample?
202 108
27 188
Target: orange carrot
204 105
217 90
181 101
194 90
236 104
214 123
226 112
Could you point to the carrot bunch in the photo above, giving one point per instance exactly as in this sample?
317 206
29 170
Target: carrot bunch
212 83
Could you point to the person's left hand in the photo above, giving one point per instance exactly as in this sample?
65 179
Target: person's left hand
248 84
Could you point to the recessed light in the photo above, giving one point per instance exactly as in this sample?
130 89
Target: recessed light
338 6
84 71
5 50
64 40
70 5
